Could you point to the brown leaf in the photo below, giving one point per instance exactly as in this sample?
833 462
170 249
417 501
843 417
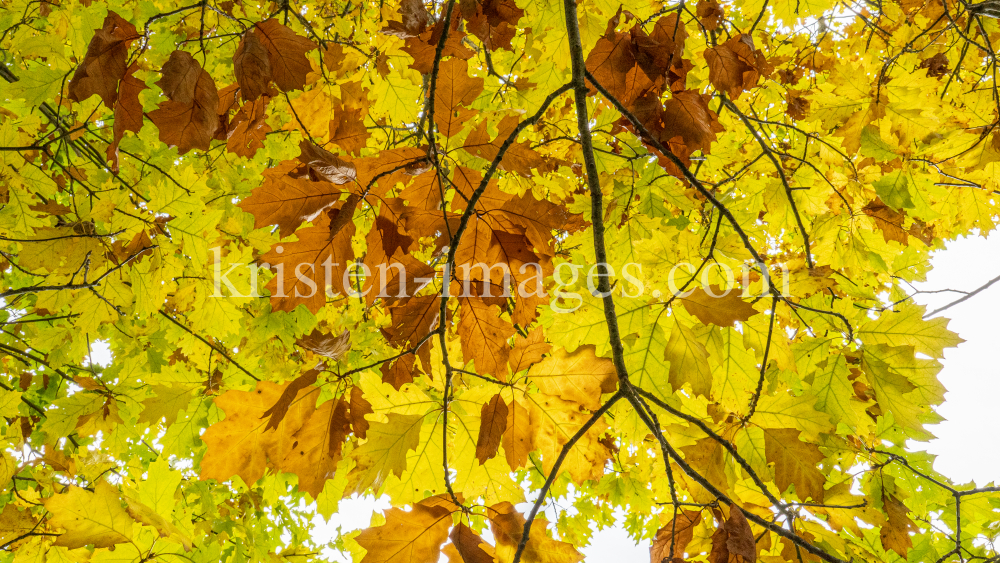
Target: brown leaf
936 66
286 54
189 118
688 124
612 62
518 436
415 19
359 408
494 22
493 424
798 106
423 47
105 62
739 536
888 220
248 129
467 547
330 345
347 129
407 537
128 112
252 66
724 310
709 13
735 66
327 166
412 319
180 77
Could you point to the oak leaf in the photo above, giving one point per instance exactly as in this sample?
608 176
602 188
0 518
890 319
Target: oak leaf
579 377
90 518
484 336
795 463
128 112
105 62
241 443
672 538
331 345
528 350
287 199
688 360
384 452
493 424
507 526
519 157
327 165
188 119
720 307
286 53
310 266
467 547
736 66
519 437
252 66
896 535
407 537
359 407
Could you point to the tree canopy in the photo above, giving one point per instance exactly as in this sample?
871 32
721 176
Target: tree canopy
290 224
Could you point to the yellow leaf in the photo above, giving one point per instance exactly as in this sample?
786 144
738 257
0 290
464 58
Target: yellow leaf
90 518
580 377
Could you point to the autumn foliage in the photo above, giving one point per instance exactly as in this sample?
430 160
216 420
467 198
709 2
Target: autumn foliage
150 151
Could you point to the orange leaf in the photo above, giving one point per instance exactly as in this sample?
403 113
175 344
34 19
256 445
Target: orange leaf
287 200
528 350
308 266
580 377
518 437
507 525
676 535
455 88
